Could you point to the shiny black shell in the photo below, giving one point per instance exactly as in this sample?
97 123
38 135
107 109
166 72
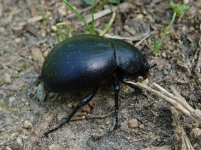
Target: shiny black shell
86 60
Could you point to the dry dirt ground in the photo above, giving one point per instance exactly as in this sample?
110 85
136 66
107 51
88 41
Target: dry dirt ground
26 37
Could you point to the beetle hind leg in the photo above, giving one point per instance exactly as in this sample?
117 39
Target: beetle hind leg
81 103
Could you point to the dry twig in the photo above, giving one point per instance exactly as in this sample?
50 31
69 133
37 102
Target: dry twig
179 103
144 38
179 131
100 14
111 21
132 38
197 69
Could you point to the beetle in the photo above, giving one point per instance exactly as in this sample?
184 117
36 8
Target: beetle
86 61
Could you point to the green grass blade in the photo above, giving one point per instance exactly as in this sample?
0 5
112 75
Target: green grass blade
78 15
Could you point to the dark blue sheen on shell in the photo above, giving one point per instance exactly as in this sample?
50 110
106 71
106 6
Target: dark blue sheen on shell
86 60
128 58
78 62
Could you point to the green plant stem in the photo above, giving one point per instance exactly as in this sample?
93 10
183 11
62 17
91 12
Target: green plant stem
78 14
157 45
168 28
109 24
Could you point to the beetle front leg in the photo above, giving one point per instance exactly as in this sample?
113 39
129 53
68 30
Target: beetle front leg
81 103
116 101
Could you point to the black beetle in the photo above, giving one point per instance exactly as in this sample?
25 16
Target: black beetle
85 61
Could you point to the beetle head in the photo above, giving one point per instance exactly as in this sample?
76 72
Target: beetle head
145 66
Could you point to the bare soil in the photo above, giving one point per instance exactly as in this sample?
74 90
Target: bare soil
23 119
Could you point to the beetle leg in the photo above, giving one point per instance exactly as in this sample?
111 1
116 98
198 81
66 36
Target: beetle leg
116 101
81 103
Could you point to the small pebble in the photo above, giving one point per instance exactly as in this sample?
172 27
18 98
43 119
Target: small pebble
11 100
27 124
41 93
45 53
43 34
62 10
54 28
19 141
141 126
8 148
70 105
125 7
55 147
140 16
7 78
196 132
165 72
164 55
18 40
14 135
133 123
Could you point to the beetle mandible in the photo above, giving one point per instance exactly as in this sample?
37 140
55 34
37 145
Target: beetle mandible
85 61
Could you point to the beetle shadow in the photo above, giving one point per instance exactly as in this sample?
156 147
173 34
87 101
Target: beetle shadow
66 101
